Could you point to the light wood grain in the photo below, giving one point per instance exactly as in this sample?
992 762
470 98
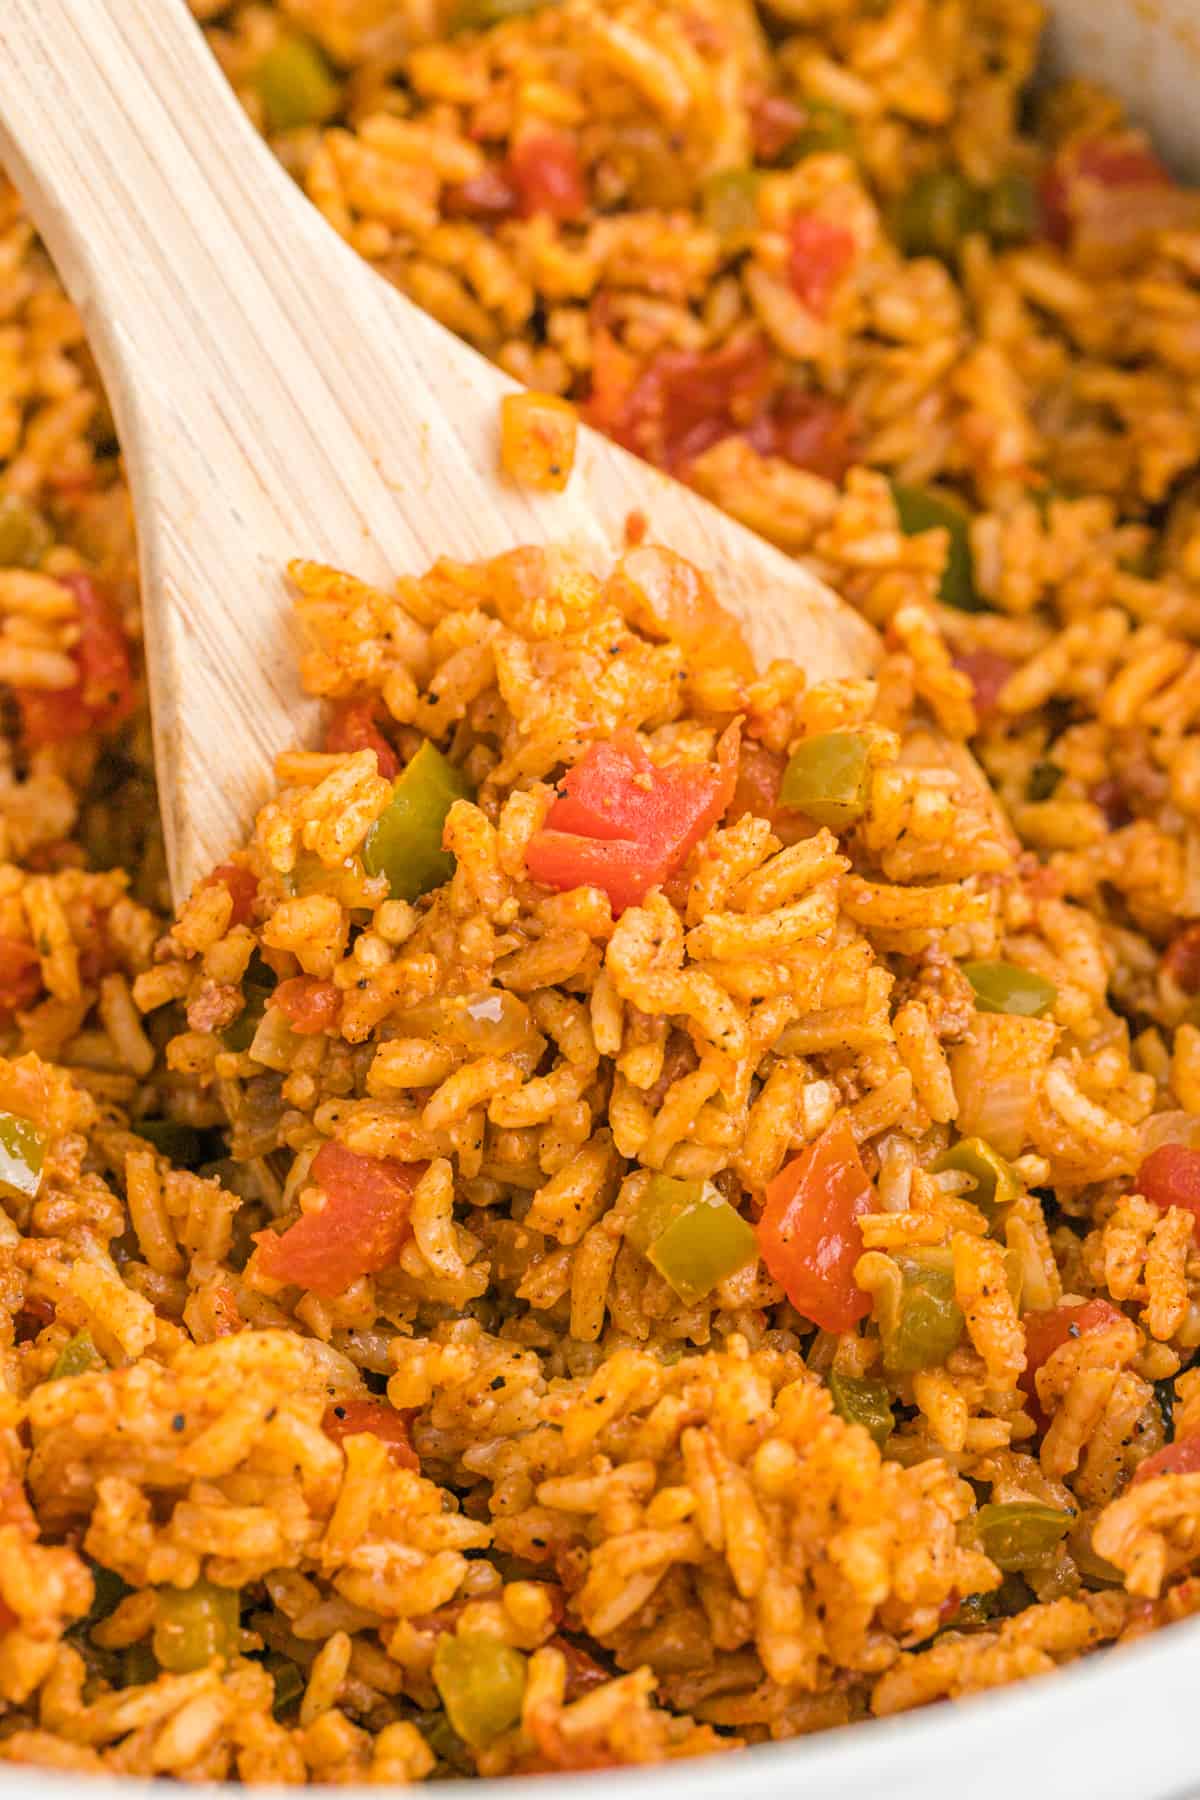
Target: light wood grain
276 398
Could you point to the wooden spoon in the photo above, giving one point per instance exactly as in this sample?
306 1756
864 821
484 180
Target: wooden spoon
276 398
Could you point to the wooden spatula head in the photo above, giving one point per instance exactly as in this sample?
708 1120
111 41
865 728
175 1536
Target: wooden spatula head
275 398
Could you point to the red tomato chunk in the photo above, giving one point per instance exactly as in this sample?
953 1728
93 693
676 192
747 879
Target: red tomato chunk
809 1234
1170 1176
1112 167
347 1418
987 672
583 1671
1180 1458
102 695
360 1229
544 169
488 195
1047 1329
808 430
353 727
20 976
819 254
682 402
309 1006
242 885
759 778
624 824
1181 960
775 122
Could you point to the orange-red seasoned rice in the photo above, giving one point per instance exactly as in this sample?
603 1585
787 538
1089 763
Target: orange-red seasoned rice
369 1408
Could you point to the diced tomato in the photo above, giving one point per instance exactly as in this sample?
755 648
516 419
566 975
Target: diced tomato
775 122
624 824
583 1671
52 717
98 954
488 195
950 1608
1181 960
681 402
353 727
1108 164
987 672
759 778
756 791
346 1418
819 254
103 655
810 431
1170 1176
1123 165
609 405
32 1319
49 859
544 169
309 1006
242 886
360 1229
1047 1329
1179 1458
20 976
809 1234
102 696
1111 798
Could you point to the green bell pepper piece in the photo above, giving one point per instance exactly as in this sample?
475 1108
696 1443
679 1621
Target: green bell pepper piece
861 1401
295 85
405 842
928 1323
826 128
995 1183
826 778
691 1235
289 1682
1002 987
482 1685
22 1153
730 205
1021 1533
138 1667
1011 209
76 1357
938 212
921 509
194 1625
689 1232
25 536
107 1589
241 1034
1044 778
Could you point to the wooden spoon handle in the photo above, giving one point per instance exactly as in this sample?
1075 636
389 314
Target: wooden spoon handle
264 383
150 186
232 325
